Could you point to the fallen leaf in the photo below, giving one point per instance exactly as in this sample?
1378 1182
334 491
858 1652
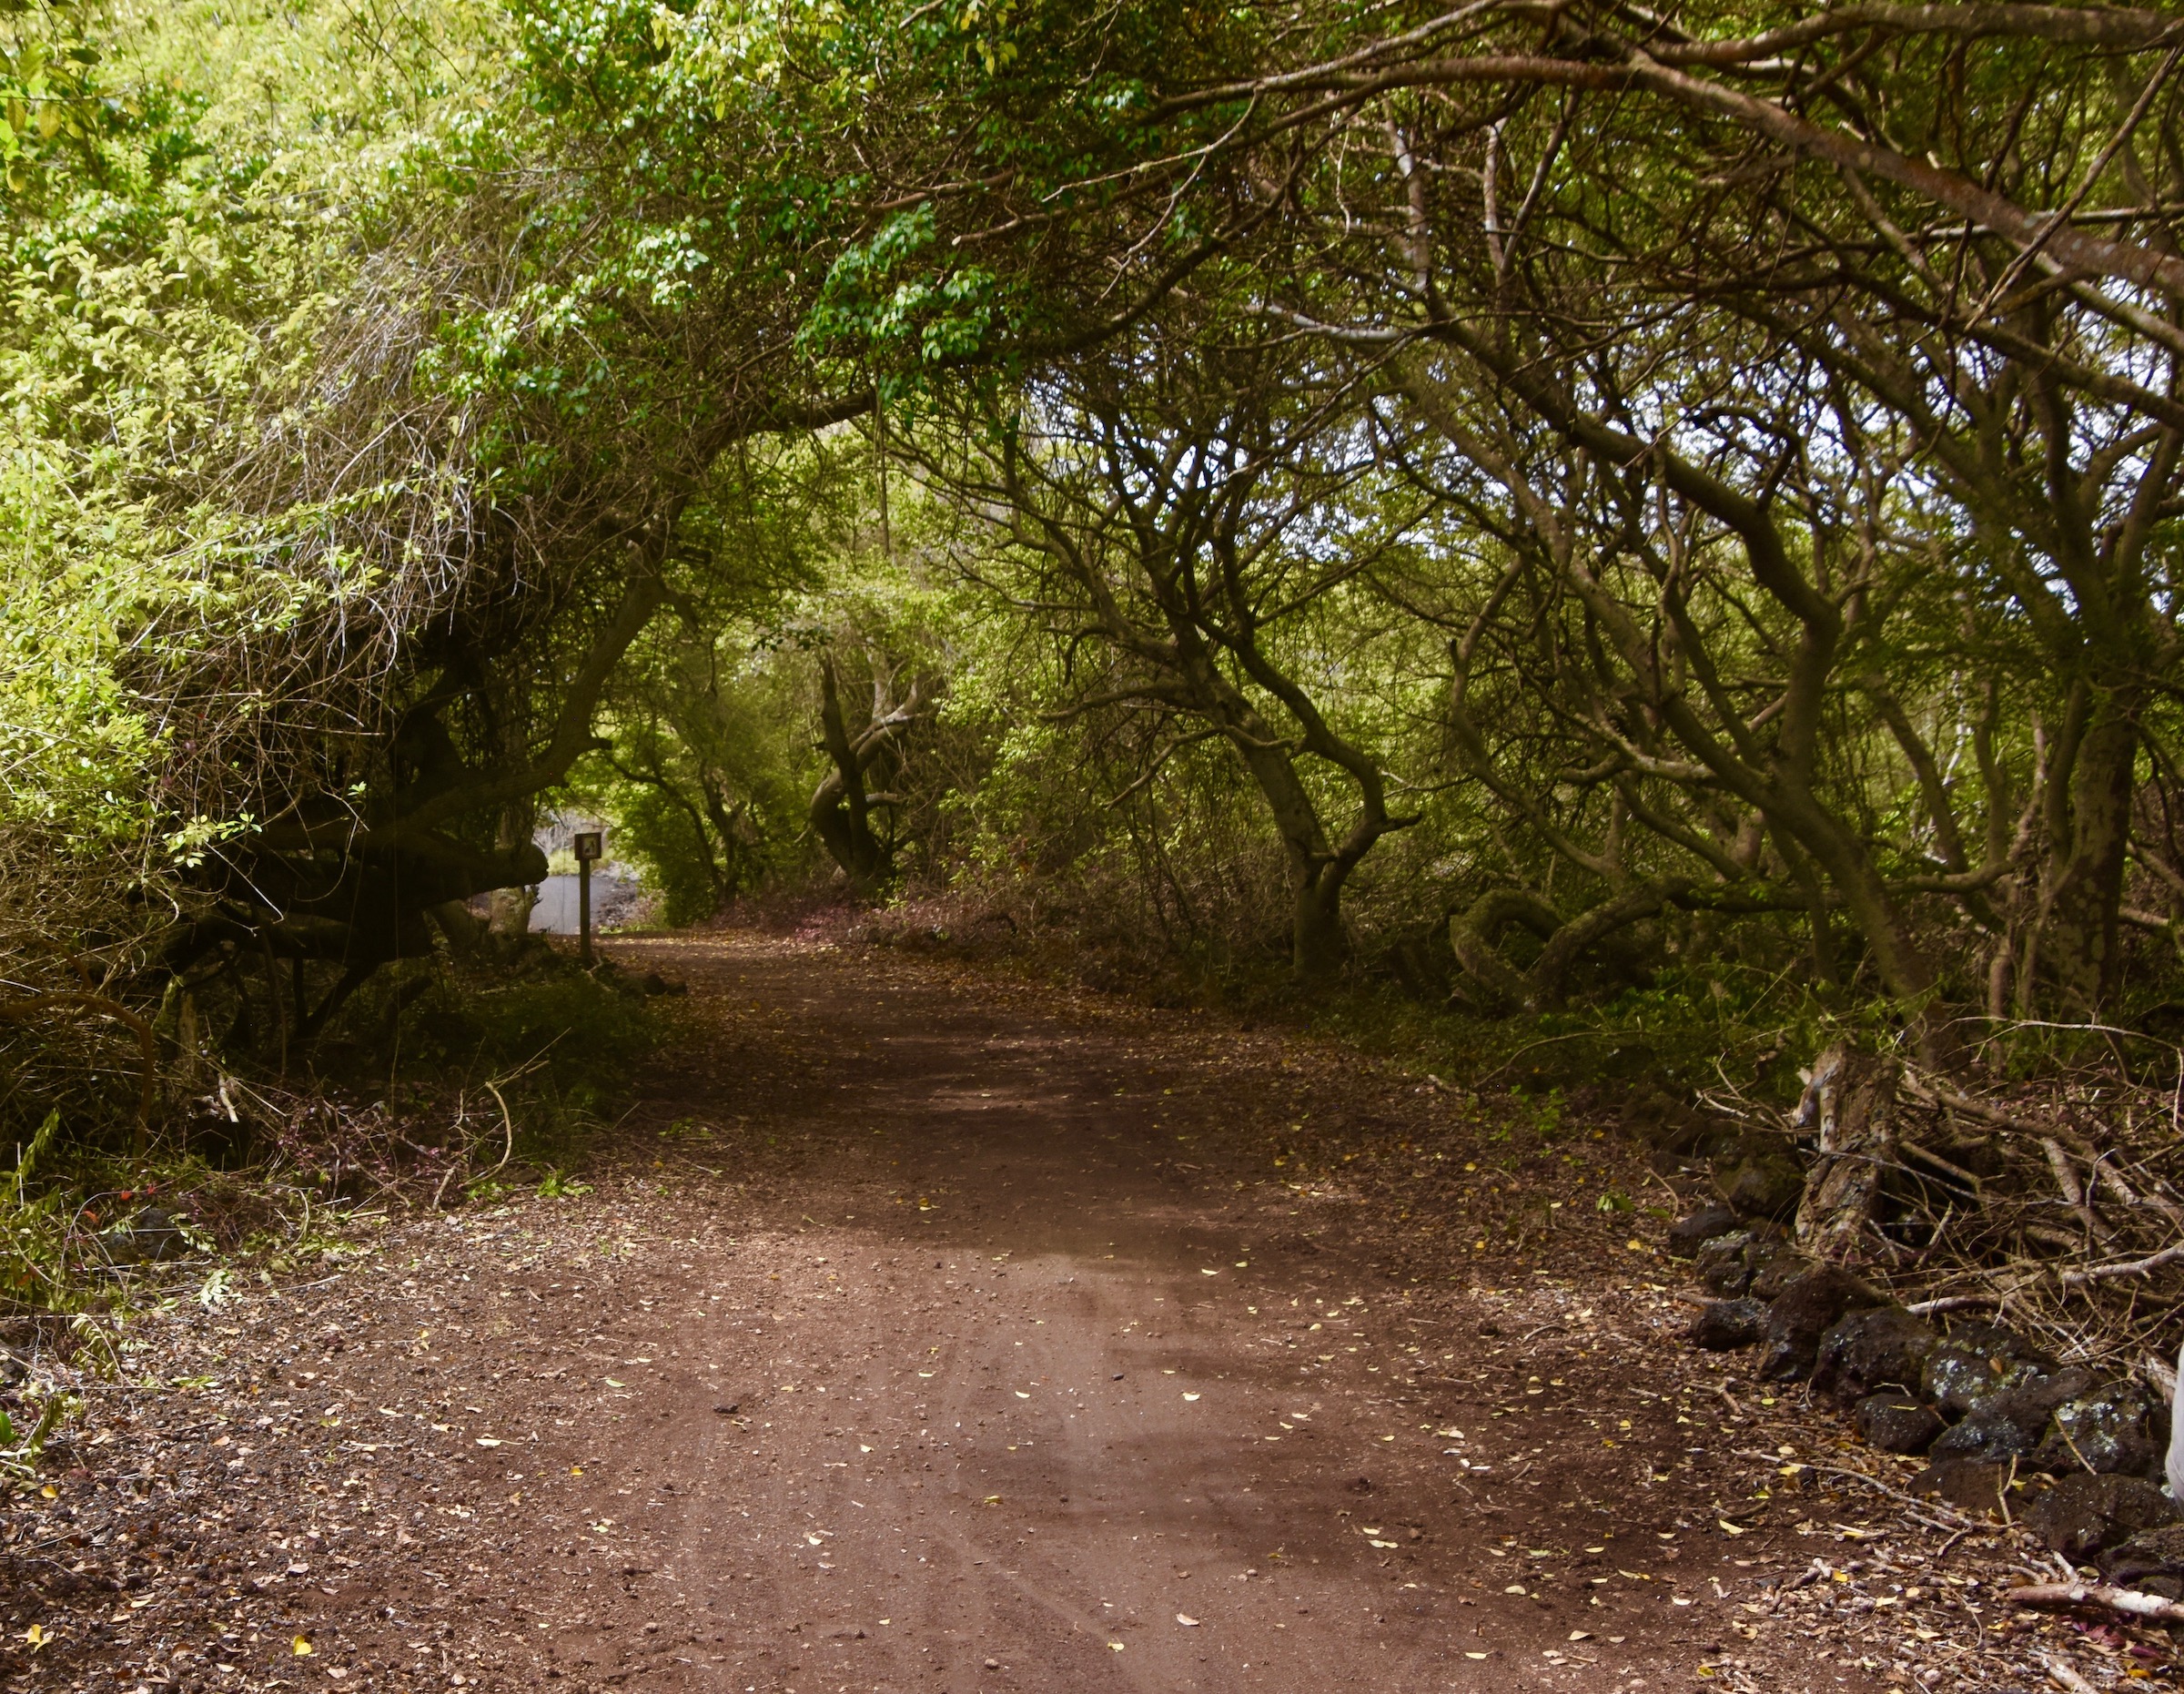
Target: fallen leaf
1729 1528
35 1634
303 1647
1190 1396
489 1441
1581 1635
1114 1647
613 1383
1475 1655
1187 1621
1020 1393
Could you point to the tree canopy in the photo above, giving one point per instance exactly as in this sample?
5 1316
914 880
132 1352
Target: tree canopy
1543 505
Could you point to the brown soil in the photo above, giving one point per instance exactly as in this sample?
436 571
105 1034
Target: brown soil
926 1332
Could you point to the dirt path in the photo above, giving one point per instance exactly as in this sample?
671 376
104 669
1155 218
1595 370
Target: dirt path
926 1334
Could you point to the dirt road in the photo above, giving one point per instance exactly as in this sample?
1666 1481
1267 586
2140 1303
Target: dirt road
923 1334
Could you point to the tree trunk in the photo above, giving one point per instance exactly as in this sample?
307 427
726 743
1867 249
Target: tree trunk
2082 892
1851 1103
1318 945
507 910
841 808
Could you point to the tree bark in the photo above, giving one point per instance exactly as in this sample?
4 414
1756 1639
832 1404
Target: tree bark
841 810
2081 895
1850 1102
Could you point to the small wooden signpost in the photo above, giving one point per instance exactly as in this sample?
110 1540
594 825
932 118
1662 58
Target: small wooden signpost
587 847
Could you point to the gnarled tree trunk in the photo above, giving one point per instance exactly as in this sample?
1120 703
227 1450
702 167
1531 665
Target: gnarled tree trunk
841 808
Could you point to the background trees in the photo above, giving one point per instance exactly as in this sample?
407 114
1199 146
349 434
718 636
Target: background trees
1556 508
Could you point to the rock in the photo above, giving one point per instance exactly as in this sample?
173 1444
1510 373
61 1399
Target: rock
1777 1272
152 1238
159 1239
2082 1514
2107 1430
2010 1421
1967 1483
1685 1235
2152 1561
1724 1264
1728 1265
1896 1423
1803 1311
1758 1178
1868 1348
1676 1131
1725 1323
1976 1362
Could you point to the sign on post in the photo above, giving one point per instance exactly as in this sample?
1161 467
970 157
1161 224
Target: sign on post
587 846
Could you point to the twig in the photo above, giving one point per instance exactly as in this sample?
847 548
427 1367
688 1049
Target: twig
508 1141
2131 1267
2129 1601
1954 1303
2066 1676
1943 1518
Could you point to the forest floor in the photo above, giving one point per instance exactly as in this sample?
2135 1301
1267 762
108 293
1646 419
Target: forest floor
921 1329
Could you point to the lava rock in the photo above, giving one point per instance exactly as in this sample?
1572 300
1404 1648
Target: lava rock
2151 1561
1729 1264
2010 1421
1722 1324
1970 1484
1758 1178
2107 1430
158 1238
1804 1310
152 1238
2083 1515
1777 1272
1686 1235
1896 1423
1865 1349
1724 1264
1976 1362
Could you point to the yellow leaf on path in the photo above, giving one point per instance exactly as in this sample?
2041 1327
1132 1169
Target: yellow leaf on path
35 1634
613 1383
1209 1273
1021 1395
1730 1529
1115 1647
303 1647
1190 1396
489 1441
50 1492
1475 1655
1186 1621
